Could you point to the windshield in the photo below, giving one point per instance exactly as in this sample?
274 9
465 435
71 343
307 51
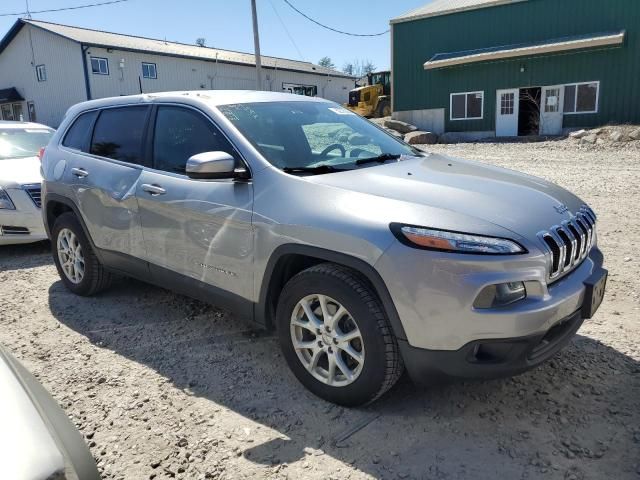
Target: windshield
23 142
299 135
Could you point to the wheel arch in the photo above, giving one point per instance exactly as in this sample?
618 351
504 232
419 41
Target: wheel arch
289 259
54 206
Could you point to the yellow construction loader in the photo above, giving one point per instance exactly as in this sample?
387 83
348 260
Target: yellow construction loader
373 99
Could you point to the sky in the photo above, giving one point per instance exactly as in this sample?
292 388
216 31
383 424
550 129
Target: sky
227 24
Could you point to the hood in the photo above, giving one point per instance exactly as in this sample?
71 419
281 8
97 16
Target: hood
515 201
19 171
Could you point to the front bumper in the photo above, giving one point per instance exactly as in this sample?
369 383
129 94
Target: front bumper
490 358
24 224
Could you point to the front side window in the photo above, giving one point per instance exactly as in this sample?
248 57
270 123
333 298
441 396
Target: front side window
23 142
149 70
181 133
79 133
312 134
466 106
99 66
581 97
119 132
41 73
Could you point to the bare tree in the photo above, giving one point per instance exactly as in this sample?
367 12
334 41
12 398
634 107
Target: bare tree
535 119
201 41
348 68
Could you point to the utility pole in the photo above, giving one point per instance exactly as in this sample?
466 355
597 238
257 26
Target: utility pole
256 45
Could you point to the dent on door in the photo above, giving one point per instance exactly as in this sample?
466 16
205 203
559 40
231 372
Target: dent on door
201 229
105 193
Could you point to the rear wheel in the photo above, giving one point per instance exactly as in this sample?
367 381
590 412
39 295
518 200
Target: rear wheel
78 267
336 337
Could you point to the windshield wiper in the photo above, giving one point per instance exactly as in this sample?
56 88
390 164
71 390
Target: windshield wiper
383 157
317 169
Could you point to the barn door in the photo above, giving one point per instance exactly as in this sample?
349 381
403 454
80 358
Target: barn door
551 110
507 103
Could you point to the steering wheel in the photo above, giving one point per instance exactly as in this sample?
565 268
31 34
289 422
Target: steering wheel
335 146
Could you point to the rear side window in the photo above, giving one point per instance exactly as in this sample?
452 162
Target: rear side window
119 133
181 133
80 132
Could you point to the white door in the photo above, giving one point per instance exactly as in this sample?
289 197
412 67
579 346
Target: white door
507 103
551 110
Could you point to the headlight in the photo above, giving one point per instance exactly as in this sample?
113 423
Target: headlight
5 201
446 241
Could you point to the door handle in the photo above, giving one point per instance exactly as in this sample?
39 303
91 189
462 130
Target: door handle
79 172
153 189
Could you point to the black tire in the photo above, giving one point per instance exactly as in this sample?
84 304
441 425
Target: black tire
95 278
383 109
382 363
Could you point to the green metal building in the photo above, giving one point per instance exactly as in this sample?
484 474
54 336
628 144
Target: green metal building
517 67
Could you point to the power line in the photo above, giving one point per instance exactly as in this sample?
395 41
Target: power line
19 14
286 30
335 29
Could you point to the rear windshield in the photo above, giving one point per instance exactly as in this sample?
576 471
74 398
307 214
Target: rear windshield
309 134
23 142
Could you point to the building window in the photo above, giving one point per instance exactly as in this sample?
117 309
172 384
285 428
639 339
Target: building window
551 103
298 89
99 66
506 103
41 73
581 97
466 106
149 70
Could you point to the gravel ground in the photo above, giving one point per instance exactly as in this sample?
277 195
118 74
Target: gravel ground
163 386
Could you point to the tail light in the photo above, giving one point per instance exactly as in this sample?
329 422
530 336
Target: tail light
41 153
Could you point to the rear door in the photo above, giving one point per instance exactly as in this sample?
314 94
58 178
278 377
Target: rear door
103 151
551 110
197 228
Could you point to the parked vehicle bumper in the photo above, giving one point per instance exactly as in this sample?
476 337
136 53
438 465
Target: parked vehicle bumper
24 224
446 336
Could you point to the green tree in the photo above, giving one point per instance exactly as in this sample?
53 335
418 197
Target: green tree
326 62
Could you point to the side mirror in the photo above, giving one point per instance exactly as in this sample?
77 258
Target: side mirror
214 165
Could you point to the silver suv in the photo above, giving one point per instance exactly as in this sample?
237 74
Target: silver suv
366 255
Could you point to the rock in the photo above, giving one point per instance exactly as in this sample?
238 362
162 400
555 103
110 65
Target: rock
419 137
595 131
578 134
399 126
635 135
358 139
592 138
617 136
183 442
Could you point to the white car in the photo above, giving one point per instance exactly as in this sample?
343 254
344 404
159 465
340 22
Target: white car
20 181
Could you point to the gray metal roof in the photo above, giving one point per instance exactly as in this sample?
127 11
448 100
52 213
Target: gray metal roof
164 47
446 7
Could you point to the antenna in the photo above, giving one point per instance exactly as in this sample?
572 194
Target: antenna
28 12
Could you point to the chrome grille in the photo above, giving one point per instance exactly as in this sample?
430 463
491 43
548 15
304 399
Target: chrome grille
34 192
570 242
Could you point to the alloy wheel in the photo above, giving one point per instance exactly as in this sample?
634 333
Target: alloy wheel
70 256
327 340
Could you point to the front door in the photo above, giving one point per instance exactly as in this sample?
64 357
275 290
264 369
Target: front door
551 110
507 106
197 228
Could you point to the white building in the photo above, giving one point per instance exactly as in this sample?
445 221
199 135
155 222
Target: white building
46 67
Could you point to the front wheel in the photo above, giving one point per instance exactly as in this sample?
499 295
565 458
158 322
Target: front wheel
336 337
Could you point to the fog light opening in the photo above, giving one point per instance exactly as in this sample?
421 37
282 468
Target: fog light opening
500 295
